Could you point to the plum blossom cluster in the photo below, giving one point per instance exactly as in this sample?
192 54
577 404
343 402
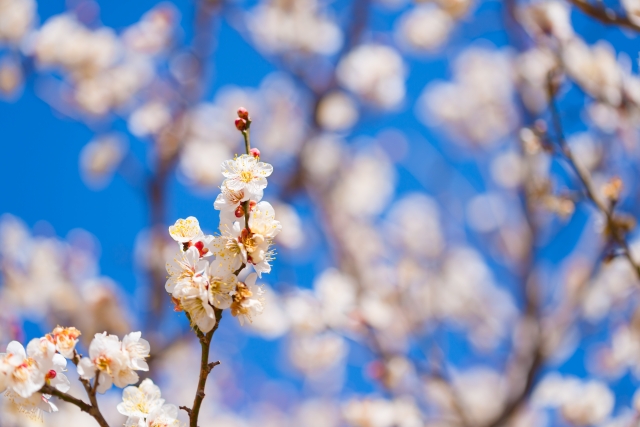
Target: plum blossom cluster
24 372
203 274
112 361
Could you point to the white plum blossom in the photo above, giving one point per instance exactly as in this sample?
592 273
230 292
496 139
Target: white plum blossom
18 373
246 173
183 268
186 230
229 200
194 300
237 245
164 416
138 349
139 402
220 288
108 362
65 340
247 300
50 363
230 253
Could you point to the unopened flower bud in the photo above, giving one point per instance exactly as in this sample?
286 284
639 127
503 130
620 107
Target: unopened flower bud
241 124
239 212
255 153
51 374
243 113
252 204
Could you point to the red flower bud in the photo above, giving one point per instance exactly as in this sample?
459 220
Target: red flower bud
243 113
51 375
241 124
255 153
239 212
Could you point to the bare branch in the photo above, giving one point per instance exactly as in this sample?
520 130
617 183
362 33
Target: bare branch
605 15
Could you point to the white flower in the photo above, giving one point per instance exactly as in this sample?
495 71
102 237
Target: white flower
50 363
137 349
240 246
183 269
186 230
65 340
195 301
220 289
247 300
229 251
228 200
246 173
166 416
18 373
108 361
33 405
138 402
262 220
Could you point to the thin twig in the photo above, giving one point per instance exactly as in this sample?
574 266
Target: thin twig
91 390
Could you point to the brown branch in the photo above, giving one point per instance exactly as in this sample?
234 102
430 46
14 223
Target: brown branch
83 406
205 369
605 15
91 390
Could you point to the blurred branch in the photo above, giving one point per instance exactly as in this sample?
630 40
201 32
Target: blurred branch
615 227
605 15
356 28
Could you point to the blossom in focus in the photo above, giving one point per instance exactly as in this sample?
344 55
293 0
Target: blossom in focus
108 363
19 373
246 173
50 363
220 289
185 230
183 269
164 416
194 300
229 200
137 349
139 402
65 340
247 300
229 250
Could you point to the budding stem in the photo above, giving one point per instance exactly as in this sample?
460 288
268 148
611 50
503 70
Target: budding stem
247 146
